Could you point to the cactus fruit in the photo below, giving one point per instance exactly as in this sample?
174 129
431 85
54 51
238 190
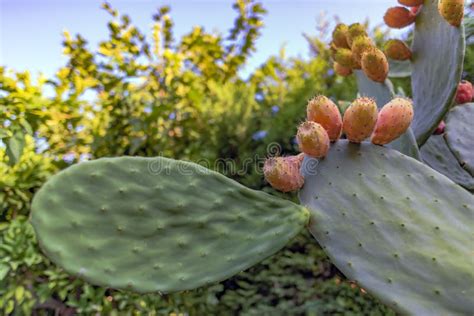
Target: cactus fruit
465 92
339 36
324 112
440 129
399 17
359 119
344 57
393 120
383 93
156 224
411 3
283 173
397 50
375 64
395 226
360 45
341 70
355 30
313 139
452 11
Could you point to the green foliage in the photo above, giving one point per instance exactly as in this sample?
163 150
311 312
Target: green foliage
19 182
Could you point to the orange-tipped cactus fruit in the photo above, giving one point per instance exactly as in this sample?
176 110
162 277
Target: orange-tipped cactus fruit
397 50
452 11
355 30
339 36
323 111
399 17
283 173
375 65
393 120
344 57
360 45
360 119
313 139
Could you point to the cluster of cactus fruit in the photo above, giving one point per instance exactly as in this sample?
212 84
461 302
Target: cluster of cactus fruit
324 125
353 49
397 222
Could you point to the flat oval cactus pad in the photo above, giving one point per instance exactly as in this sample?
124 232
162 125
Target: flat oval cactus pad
156 224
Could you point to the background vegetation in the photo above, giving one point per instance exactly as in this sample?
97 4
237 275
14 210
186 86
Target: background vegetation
181 98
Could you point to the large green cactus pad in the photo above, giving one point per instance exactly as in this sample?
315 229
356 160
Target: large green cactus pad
460 134
401 230
156 224
436 153
438 54
383 93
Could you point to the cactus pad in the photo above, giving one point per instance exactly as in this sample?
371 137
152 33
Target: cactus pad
157 224
459 134
436 154
401 230
438 54
399 69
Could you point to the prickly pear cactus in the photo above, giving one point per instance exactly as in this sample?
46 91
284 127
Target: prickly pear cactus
399 229
156 224
438 55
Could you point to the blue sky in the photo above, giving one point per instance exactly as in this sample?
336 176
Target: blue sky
30 30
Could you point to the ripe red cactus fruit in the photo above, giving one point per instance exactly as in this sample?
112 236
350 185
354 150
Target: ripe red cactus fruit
452 11
397 50
360 119
399 17
440 129
324 112
465 92
411 3
393 120
313 139
283 173
375 65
